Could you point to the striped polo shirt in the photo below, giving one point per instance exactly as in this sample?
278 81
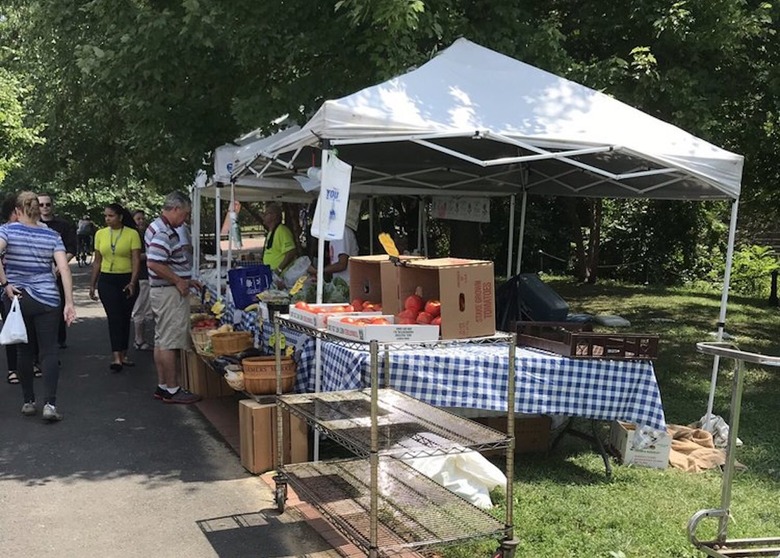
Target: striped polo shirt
163 246
28 260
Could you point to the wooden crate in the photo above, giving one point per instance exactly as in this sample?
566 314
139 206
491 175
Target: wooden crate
257 427
198 377
577 341
532 432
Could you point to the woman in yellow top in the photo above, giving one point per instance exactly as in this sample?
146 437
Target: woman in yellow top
115 274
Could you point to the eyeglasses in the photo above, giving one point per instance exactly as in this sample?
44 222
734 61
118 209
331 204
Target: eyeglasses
45 204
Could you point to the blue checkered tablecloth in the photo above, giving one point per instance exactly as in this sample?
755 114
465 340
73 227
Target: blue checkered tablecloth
474 377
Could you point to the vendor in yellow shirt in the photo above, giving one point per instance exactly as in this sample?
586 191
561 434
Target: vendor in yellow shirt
279 249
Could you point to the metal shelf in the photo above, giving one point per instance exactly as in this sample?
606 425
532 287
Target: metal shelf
407 427
284 321
413 511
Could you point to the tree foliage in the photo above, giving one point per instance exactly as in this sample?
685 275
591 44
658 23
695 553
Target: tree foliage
140 91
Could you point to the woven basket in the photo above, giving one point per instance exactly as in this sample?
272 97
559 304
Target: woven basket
260 375
231 342
202 342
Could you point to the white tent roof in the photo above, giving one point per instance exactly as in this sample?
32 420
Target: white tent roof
473 121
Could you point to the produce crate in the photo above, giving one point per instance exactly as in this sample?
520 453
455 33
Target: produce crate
577 341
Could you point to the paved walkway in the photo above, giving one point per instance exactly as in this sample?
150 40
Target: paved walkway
125 475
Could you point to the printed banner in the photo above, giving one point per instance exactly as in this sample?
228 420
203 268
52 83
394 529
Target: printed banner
461 209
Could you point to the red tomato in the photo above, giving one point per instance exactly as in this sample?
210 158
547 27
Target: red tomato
378 321
405 321
436 321
347 320
414 303
349 308
424 318
433 307
407 315
301 305
357 304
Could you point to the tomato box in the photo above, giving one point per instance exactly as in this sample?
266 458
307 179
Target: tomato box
465 289
316 315
382 332
375 279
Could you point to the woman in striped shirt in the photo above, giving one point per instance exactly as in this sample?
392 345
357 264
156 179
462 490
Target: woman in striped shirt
29 251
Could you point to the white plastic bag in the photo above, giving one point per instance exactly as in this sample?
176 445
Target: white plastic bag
295 270
14 331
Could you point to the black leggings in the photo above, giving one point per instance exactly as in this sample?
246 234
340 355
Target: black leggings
118 307
42 322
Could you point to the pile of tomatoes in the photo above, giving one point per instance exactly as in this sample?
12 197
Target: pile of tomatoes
419 311
356 306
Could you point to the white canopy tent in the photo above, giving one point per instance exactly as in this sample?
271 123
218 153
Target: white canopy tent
472 121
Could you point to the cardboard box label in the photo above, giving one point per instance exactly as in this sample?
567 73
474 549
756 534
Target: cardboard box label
384 332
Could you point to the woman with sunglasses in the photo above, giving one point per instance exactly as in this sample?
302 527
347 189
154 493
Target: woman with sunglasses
115 272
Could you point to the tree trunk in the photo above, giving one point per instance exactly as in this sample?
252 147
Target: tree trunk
580 264
594 240
465 240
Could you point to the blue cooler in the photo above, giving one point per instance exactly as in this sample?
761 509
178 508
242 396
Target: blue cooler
247 282
538 301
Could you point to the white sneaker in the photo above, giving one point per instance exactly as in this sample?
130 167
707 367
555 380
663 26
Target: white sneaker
50 413
29 409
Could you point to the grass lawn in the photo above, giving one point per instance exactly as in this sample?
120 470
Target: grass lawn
565 506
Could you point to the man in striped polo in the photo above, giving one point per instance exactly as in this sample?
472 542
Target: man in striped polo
170 282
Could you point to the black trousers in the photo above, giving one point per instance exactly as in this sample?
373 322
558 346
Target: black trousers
118 307
41 322
62 331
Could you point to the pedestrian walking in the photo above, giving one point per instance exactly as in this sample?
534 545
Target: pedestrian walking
67 231
29 252
115 276
170 281
142 311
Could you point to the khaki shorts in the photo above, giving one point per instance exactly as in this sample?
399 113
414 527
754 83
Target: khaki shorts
172 318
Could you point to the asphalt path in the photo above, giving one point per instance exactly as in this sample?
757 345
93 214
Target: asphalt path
125 475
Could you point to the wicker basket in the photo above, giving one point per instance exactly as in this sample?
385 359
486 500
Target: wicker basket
260 375
202 342
231 342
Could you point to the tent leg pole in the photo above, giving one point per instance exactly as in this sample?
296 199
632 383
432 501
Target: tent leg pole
511 239
722 316
371 225
419 225
195 232
218 248
522 231
425 229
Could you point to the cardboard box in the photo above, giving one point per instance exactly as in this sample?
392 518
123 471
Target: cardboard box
259 439
384 332
375 279
199 378
319 319
465 289
532 432
621 438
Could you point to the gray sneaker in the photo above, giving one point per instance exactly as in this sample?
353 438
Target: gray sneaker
182 397
29 409
50 413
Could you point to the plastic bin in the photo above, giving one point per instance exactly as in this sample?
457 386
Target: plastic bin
539 301
246 282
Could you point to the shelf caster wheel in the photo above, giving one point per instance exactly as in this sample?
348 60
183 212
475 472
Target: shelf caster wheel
280 496
507 549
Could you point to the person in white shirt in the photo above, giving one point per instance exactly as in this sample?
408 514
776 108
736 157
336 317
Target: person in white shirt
339 253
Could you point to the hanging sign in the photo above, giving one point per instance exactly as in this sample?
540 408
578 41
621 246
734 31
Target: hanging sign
333 199
461 209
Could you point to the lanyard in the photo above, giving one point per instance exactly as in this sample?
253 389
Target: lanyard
113 241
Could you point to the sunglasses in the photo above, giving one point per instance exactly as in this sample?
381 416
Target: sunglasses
45 204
